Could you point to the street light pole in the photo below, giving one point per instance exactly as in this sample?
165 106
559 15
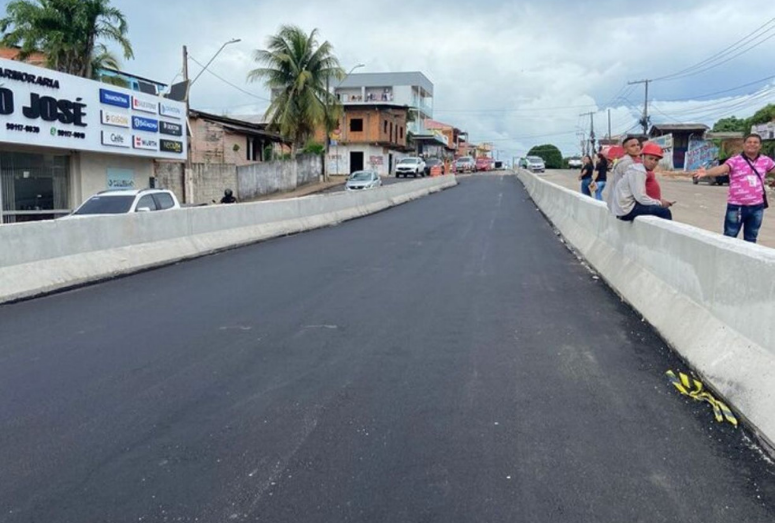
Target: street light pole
232 41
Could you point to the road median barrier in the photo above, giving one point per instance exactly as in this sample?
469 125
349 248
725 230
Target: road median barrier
41 257
712 298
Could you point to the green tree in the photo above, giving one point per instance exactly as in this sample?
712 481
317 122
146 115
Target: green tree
71 33
764 115
549 153
296 69
731 124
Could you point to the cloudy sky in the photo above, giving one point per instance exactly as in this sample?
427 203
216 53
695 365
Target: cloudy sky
516 74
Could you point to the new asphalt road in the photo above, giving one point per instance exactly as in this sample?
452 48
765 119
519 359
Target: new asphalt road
448 360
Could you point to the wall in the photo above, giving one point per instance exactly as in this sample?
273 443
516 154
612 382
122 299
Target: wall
269 177
208 181
712 298
170 176
91 173
46 256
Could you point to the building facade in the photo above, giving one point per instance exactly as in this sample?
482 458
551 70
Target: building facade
64 138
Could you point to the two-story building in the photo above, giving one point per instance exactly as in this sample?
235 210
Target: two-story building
381 112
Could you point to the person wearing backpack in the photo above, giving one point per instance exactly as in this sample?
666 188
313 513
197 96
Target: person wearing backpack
747 197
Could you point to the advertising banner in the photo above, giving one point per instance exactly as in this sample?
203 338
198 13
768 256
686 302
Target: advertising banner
45 108
666 143
700 154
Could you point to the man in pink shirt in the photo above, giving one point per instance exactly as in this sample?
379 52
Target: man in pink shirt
745 203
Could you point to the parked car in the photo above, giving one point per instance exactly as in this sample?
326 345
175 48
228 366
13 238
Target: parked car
430 163
713 180
127 201
360 180
410 165
465 164
535 164
483 164
575 163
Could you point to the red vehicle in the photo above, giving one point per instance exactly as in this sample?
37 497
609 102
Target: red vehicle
484 164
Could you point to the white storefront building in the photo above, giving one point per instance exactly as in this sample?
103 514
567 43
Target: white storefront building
64 138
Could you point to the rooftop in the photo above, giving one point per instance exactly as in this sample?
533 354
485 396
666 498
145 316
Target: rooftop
415 78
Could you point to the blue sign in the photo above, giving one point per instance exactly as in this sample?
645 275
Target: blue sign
145 124
700 154
114 98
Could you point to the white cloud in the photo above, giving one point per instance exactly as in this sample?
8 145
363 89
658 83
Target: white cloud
500 70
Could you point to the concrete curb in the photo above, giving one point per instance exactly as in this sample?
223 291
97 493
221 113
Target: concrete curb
43 257
711 298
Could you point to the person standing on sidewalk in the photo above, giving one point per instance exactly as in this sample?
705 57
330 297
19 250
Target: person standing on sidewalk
586 175
632 149
600 177
631 197
747 188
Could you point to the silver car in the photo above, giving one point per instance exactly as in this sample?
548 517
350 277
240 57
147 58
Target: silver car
360 180
536 164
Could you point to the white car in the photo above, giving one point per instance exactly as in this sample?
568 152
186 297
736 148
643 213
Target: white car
575 163
535 164
127 201
360 180
410 165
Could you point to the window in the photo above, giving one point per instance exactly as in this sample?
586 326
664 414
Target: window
146 201
385 125
356 125
391 131
401 132
106 205
164 200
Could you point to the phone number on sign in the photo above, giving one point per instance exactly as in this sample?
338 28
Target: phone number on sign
23 128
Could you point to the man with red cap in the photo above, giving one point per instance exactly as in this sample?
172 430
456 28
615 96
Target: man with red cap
631 197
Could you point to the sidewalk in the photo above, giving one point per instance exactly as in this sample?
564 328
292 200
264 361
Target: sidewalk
304 190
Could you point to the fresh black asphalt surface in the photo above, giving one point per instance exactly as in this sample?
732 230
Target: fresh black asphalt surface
448 360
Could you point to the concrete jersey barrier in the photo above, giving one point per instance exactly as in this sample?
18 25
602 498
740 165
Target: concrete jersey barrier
40 257
712 298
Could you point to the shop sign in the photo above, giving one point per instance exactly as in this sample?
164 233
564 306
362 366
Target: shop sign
172 129
149 144
145 124
171 146
115 119
170 110
44 108
121 178
116 139
138 104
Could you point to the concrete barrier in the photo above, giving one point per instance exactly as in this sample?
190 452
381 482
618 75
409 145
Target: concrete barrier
40 257
712 298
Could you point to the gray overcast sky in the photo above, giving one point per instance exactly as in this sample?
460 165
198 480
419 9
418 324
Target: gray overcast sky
494 65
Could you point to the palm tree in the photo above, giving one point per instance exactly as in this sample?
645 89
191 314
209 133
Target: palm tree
296 69
69 32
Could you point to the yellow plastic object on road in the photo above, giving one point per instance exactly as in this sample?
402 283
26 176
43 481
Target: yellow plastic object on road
694 389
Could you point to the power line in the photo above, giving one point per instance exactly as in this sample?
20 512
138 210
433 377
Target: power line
228 82
701 66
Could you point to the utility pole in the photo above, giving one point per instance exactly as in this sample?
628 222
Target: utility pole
591 131
187 165
645 104
609 125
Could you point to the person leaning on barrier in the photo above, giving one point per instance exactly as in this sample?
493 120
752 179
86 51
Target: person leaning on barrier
747 188
631 197
632 149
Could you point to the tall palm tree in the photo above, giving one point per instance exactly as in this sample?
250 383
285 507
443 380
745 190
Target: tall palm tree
68 32
296 69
